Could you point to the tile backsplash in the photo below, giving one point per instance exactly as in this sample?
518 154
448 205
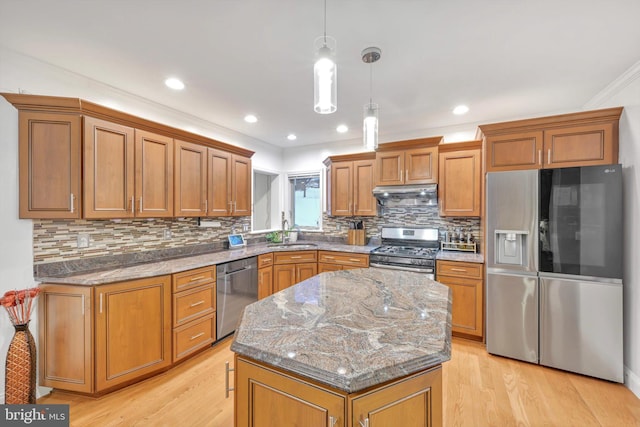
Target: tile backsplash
57 240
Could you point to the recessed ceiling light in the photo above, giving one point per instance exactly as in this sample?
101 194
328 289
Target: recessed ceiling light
292 137
174 83
250 118
460 109
342 128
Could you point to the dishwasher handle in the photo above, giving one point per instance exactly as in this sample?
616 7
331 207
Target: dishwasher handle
240 270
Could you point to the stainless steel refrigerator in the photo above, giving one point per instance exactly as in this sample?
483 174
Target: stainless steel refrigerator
554 269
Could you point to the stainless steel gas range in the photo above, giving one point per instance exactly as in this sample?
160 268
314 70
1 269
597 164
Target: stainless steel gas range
407 248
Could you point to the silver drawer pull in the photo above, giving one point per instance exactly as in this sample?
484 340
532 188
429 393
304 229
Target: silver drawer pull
464 270
193 279
266 260
296 257
197 303
329 257
354 260
227 369
197 336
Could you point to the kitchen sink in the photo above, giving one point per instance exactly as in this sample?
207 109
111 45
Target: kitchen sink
293 245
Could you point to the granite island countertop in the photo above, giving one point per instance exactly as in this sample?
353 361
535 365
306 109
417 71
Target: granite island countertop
351 329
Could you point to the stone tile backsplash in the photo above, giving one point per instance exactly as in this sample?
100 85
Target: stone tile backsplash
56 240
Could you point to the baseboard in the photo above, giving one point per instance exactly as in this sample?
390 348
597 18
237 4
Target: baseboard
632 381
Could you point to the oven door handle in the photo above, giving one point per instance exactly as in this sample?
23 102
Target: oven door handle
395 267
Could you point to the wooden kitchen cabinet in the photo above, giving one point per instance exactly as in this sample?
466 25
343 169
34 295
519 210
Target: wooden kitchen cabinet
194 311
466 282
132 330
190 179
264 393
579 139
292 267
50 147
333 261
408 162
265 275
229 184
350 185
65 337
127 172
460 179
92 339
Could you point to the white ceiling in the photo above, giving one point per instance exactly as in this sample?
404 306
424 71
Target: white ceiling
503 58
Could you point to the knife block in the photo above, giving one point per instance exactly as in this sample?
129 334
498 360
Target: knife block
356 237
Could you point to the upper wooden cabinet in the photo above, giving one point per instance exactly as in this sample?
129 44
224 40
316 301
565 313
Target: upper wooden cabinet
190 179
578 139
229 184
127 173
408 162
50 151
350 182
460 179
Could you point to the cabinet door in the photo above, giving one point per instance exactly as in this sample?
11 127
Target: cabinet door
283 276
390 167
108 170
154 175
133 330
265 280
466 311
305 271
413 402
514 151
49 151
323 267
267 398
459 183
363 183
241 185
65 340
190 179
342 188
580 146
421 165
219 183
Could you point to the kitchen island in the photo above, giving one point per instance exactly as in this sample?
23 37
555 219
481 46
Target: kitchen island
347 348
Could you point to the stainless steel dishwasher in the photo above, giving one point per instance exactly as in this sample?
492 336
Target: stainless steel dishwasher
236 287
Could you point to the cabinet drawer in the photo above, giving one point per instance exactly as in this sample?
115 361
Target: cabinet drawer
294 257
193 278
265 260
193 303
343 258
193 336
459 269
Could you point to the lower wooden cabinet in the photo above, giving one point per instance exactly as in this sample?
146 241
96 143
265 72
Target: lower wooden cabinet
332 261
265 275
465 281
266 396
96 338
292 267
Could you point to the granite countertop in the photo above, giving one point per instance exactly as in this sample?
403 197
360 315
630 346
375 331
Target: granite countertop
177 265
460 256
351 329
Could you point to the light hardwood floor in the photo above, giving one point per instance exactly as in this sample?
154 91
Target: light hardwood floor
479 390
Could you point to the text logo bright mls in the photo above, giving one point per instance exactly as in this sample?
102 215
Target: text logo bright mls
35 415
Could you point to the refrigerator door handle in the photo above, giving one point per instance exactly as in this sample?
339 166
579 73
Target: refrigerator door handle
541 316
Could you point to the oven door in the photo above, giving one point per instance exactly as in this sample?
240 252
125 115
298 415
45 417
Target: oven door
405 267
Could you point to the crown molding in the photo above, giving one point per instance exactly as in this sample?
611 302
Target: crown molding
615 87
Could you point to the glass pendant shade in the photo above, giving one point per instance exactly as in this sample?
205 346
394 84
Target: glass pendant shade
370 127
325 82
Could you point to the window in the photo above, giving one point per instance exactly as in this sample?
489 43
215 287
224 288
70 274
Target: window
306 201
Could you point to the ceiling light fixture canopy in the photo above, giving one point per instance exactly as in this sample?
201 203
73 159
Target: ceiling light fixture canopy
325 73
370 123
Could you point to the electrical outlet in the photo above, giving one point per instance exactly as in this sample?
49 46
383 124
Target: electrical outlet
83 240
245 227
338 227
166 234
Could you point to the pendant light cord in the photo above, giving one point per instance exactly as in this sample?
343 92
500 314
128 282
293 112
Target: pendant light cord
325 22
371 85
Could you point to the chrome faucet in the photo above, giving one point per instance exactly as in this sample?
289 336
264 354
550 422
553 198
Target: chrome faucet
285 224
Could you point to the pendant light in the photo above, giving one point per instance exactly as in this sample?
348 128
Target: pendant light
370 124
325 73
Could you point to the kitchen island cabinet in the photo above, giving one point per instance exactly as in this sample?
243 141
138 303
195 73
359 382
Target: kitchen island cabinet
336 362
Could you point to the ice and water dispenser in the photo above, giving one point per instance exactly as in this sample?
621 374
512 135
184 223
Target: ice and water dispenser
511 247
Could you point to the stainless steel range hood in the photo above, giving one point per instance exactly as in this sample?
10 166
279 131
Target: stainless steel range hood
403 195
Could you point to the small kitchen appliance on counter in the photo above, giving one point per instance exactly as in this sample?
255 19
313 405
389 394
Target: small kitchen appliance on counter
407 248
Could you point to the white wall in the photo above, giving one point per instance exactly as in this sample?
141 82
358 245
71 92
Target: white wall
625 92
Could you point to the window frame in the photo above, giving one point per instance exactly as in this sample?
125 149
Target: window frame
290 197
